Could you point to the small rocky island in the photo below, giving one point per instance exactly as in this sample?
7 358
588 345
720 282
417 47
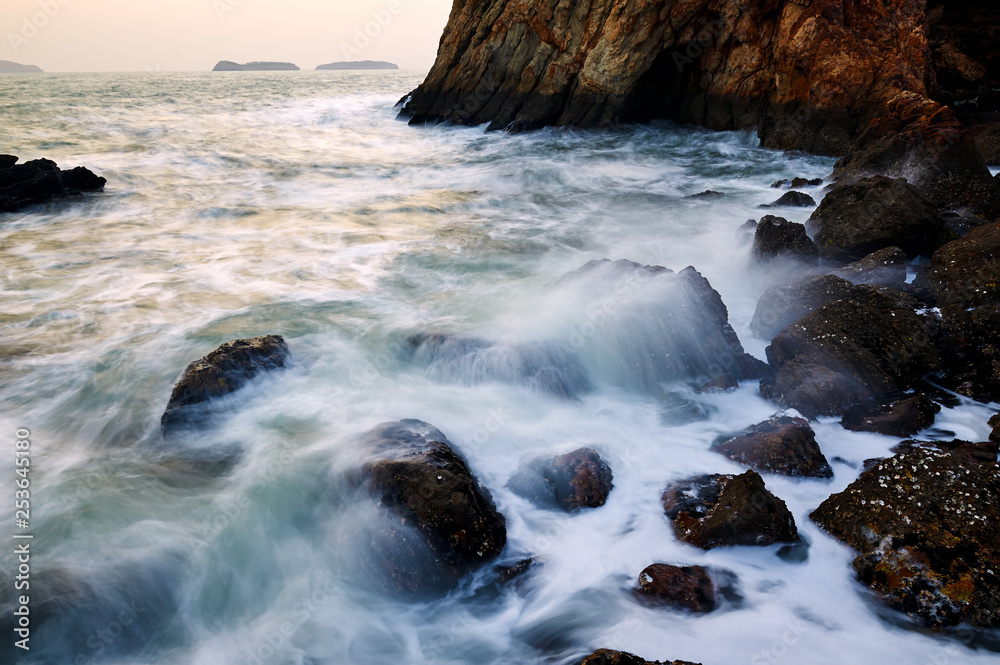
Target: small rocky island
229 66
8 67
359 64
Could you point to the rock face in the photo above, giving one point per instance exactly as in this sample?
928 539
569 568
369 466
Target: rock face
229 66
686 587
886 267
719 510
40 180
873 214
223 371
419 478
580 479
807 75
776 237
358 64
782 305
779 445
874 340
609 657
8 67
902 417
546 367
926 525
966 272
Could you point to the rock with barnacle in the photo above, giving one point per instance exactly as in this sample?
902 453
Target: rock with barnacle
926 524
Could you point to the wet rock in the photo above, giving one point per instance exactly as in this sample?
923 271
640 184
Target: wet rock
610 657
545 366
782 305
969 344
576 480
222 372
724 383
926 525
874 339
776 237
983 452
966 272
676 409
796 183
922 141
522 66
417 476
686 587
657 325
781 445
987 138
720 510
901 417
792 199
995 424
886 267
746 231
707 194
875 213
812 390
40 180
509 573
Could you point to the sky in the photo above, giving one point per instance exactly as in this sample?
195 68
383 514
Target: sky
192 35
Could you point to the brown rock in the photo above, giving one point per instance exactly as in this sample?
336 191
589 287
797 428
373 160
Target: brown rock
886 267
610 657
987 138
901 417
792 199
720 510
812 390
776 237
966 272
780 445
580 479
687 587
926 525
875 213
970 351
995 424
782 305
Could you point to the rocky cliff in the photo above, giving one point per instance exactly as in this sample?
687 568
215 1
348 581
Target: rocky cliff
8 67
807 74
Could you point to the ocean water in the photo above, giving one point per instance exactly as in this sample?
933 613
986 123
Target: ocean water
296 204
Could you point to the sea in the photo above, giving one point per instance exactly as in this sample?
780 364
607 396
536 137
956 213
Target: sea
296 203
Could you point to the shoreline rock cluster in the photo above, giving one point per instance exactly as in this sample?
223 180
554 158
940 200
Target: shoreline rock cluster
41 180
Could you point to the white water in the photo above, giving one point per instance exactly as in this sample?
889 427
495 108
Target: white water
294 203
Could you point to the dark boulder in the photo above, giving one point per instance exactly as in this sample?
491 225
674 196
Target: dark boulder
720 510
812 390
545 366
223 371
420 479
796 183
707 194
874 213
580 479
686 587
966 272
874 339
745 232
792 199
779 445
783 305
926 525
995 424
987 138
970 351
886 267
776 237
982 452
610 657
39 180
900 417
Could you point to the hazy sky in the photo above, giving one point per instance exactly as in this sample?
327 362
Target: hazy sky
192 35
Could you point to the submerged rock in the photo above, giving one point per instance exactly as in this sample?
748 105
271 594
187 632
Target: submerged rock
547 367
776 237
686 587
874 213
783 305
580 479
417 476
901 417
720 510
707 194
610 657
40 180
792 199
886 267
874 340
779 445
926 525
223 371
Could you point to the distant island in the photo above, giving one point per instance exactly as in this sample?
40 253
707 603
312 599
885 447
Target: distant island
228 66
8 67
360 64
